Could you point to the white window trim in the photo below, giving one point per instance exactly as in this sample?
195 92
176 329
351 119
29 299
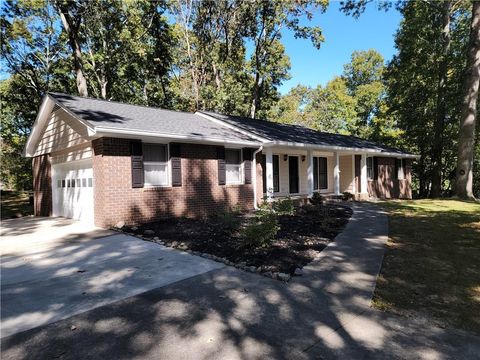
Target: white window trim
169 180
242 178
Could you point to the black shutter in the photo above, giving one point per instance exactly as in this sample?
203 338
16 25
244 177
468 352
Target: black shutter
137 164
222 174
315 173
247 165
375 168
176 162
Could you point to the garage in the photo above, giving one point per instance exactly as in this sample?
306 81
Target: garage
72 185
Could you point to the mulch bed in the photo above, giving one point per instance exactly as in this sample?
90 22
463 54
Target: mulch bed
300 238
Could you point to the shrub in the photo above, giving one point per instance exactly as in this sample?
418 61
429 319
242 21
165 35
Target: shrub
284 207
262 231
317 199
229 220
348 196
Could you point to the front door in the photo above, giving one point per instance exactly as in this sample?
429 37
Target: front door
293 174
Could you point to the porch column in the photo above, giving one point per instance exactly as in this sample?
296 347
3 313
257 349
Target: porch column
269 173
363 175
336 174
310 172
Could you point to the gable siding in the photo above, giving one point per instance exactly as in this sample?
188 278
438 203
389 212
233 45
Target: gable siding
61 132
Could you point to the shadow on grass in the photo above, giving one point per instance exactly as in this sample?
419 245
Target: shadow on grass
431 265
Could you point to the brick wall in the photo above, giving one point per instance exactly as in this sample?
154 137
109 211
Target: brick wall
386 186
42 185
200 195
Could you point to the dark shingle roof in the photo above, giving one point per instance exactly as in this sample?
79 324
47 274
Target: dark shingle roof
298 134
121 116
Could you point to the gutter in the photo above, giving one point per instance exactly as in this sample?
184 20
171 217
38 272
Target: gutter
339 148
255 204
99 131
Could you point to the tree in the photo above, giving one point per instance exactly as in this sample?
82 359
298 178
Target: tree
71 15
269 64
466 143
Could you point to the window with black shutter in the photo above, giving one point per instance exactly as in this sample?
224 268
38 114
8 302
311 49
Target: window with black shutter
176 164
137 164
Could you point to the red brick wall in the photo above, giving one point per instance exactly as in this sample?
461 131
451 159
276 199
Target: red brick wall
385 186
42 185
200 195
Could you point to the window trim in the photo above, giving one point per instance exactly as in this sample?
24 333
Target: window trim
167 163
240 169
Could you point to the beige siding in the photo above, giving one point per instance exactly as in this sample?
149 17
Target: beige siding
346 173
81 152
61 132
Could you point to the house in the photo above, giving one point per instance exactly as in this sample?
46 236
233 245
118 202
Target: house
104 162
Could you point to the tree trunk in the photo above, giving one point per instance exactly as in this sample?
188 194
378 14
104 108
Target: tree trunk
256 95
437 150
71 28
466 142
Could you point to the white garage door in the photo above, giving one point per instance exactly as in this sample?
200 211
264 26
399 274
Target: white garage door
72 184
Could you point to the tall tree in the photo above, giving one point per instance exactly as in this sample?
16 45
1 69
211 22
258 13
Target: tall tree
71 15
466 143
441 106
269 18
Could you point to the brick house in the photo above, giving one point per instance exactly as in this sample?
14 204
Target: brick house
104 162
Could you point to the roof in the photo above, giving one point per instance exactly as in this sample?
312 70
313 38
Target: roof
104 114
296 134
107 118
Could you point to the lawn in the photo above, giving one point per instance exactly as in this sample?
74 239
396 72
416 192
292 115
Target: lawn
432 263
15 204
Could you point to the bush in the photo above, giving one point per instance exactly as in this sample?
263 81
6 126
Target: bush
229 220
348 196
317 199
262 231
284 207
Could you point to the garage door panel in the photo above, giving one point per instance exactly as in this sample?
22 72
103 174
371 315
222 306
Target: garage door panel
73 195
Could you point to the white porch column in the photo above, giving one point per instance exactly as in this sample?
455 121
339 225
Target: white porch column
269 173
336 174
363 175
310 172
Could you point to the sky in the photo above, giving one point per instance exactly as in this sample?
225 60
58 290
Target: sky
343 34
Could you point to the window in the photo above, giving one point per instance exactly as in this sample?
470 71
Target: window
84 182
233 161
90 182
320 180
59 183
370 168
155 164
63 183
399 169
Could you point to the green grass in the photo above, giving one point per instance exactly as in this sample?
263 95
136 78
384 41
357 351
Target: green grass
432 263
15 204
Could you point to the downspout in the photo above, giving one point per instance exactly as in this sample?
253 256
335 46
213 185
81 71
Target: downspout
255 204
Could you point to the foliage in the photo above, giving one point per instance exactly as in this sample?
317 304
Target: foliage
229 220
284 207
261 232
317 199
347 196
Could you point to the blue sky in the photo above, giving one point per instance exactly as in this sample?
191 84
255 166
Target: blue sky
343 34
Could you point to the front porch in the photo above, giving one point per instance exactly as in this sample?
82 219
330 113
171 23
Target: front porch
299 173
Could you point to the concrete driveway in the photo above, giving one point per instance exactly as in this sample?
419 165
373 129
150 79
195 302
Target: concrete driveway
54 268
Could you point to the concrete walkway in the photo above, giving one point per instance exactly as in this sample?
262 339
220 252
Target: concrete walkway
230 314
